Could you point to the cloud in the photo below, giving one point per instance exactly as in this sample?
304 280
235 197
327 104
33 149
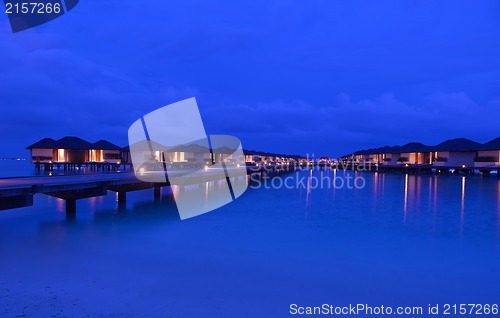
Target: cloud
347 125
268 72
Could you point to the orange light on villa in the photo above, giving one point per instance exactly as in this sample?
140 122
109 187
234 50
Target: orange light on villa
61 155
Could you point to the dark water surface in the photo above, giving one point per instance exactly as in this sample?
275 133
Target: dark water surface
400 240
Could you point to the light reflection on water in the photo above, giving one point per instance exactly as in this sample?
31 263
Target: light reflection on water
498 209
441 201
412 238
454 204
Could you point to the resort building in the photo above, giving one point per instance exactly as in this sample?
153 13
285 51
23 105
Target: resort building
44 150
489 154
415 153
390 156
196 154
386 155
73 150
252 156
458 152
104 151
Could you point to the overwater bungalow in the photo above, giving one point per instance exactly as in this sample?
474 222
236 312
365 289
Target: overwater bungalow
454 153
459 152
253 157
43 151
194 154
73 150
384 155
104 151
489 154
415 153
151 151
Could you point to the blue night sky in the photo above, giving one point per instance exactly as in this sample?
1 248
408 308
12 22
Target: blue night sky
308 76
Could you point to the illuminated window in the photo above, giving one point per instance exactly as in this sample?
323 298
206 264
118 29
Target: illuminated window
61 155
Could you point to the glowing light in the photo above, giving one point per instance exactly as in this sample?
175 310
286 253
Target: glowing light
238 165
118 162
405 208
141 170
462 210
463 166
61 155
206 168
406 165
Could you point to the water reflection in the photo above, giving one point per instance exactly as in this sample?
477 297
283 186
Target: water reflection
309 187
61 207
435 195
334 180
443 210
498 205
462 210
405 208
424 197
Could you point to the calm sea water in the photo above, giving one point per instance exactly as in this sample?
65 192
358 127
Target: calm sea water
16 168
401 240
24 168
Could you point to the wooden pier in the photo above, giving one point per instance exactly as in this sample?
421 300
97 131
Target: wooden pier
91 166
19 192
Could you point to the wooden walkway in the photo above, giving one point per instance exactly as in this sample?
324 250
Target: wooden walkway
19 192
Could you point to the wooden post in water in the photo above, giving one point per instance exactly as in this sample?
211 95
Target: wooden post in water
122 200
157 193
71 206
122 197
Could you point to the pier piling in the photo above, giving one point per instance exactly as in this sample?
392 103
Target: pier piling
70 206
